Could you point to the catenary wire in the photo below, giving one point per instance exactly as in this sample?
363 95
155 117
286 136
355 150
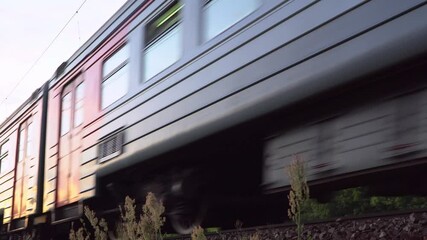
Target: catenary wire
42 54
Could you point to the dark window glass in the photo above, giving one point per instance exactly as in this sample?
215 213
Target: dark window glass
218 15
163 41
115 74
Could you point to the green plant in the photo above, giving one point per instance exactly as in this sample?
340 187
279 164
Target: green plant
213 230
357 201
198 233
313 210
299 192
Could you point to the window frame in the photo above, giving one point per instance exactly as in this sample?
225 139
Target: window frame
70 88
156 36
29 140
4 156
24 127
67 90
203 19
76 101
112 72
150 39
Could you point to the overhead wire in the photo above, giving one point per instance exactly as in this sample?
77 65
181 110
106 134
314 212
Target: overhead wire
42 54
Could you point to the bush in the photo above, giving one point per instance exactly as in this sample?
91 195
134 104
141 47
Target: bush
356 201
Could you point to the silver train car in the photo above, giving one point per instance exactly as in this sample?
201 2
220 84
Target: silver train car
204 103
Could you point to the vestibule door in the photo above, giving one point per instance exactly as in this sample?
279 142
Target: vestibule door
24 197
72 116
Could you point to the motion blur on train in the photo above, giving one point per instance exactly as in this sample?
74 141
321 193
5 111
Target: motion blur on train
204 103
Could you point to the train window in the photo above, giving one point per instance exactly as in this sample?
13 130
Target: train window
21 144
218 15
115 74
66 113
29 149
5 162
78 108
163 41
25 140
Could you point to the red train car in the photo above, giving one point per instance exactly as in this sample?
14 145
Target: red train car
76 107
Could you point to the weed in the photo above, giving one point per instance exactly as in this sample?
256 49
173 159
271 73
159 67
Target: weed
243 236
198 234
238 224
255 236
100 227
299 192
148 227
152 220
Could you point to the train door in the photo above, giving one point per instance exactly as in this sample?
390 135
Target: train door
24 198
72 114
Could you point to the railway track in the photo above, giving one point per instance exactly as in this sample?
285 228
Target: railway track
393 225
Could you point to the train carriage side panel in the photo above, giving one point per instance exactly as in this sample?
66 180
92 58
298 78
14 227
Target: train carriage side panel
278 55
76 92
26 171
221 89
385 133
51 153
210 77
8 143
20 145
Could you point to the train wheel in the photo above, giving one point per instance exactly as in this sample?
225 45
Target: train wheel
186 215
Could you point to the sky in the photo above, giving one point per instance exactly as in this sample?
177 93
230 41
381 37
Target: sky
28 27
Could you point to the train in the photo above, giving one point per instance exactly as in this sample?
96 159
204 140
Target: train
204 103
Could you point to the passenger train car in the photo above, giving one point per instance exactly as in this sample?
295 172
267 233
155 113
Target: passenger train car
205 102
22 138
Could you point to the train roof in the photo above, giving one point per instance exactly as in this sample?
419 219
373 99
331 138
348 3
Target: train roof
37 94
